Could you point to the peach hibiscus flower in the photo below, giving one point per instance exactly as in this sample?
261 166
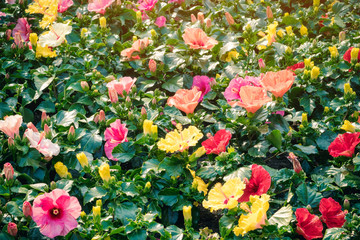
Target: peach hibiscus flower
10 125
133 52
252 98
278 83
121 85
185 100
45 146
99 6
197 39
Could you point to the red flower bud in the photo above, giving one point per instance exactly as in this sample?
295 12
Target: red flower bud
269 13
152 65
102 116
8 171
200 17
208 23
8 34
229 18
84 86
193 18
27 210
12 229
296 164
143 111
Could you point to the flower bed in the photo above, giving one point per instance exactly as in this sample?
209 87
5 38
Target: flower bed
179 119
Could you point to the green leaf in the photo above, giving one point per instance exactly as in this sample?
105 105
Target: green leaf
46 106
176 233
307 196
91 141
172 166
124 152
95 192
226 224
13 209
307 149
308 104
150 165
125 211
42 187
65 184
206 104
139 234
282 217
275 138
42 82
173 84
260 149
335 234
244 172
325 139
169 196
129 189
65 118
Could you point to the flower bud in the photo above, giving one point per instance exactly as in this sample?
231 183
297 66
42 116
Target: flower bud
12 229
143 111
79 15
229 18
289 30
44 117
127 99
316 3
53 185
342 36
147 185
200 17
269 13
261 64
354 54
47 131
8 34
33 37
134 38
208 23
347 89
82 214
138 16
348 127
104 172
83 160
152 65
83 31
326 109
304 119
303 30
27 210
153 33
61 170
18 40
288 50
31 126
102 21
296 164
113 95
102 118
346 204
193 18
8 171
96 211
84 86
187 213
99 202
10 142
147 127
315 71
333 52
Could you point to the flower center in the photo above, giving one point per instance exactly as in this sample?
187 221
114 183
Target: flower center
55 213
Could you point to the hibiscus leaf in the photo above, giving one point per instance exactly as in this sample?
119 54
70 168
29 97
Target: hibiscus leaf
335 234
176 233
13 209
282 217
307 196
91 141
275 138
244 172
125 211
65 118
124 151
172 166
95 192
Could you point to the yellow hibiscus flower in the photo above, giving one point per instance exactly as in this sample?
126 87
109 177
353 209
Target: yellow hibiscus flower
198 183
180 140
46 7
44 52
225 196
256 217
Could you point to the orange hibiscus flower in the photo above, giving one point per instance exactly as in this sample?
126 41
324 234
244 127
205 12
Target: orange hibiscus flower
197 39
185 100
133 52
278 83
252 98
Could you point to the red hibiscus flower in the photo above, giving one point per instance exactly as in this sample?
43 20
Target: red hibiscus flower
258 184
296 66
331 213
309 225
217 144
347 55
344 144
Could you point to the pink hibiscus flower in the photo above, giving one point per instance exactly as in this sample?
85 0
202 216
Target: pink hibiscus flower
114 135
232 92
10 125
203 85
146 5
64 5
56 213
133 52
121 85
160 21
99 6
45 146
23 28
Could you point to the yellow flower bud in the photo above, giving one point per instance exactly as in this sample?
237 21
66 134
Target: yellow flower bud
147 127
138 16
200 151
326 109
280 33
307 62
83 160
82 214
286 14
83 31
147 185
104 171
288 50
354 54
153 33
304 118
187 213
334 52
303 30
347 89
348 127
135 38
316 3
99 202
96 211
289 30
102 22
61 170
154 130
217 76
315 71
33 39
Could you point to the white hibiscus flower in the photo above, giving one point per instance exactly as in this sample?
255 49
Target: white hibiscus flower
55 36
